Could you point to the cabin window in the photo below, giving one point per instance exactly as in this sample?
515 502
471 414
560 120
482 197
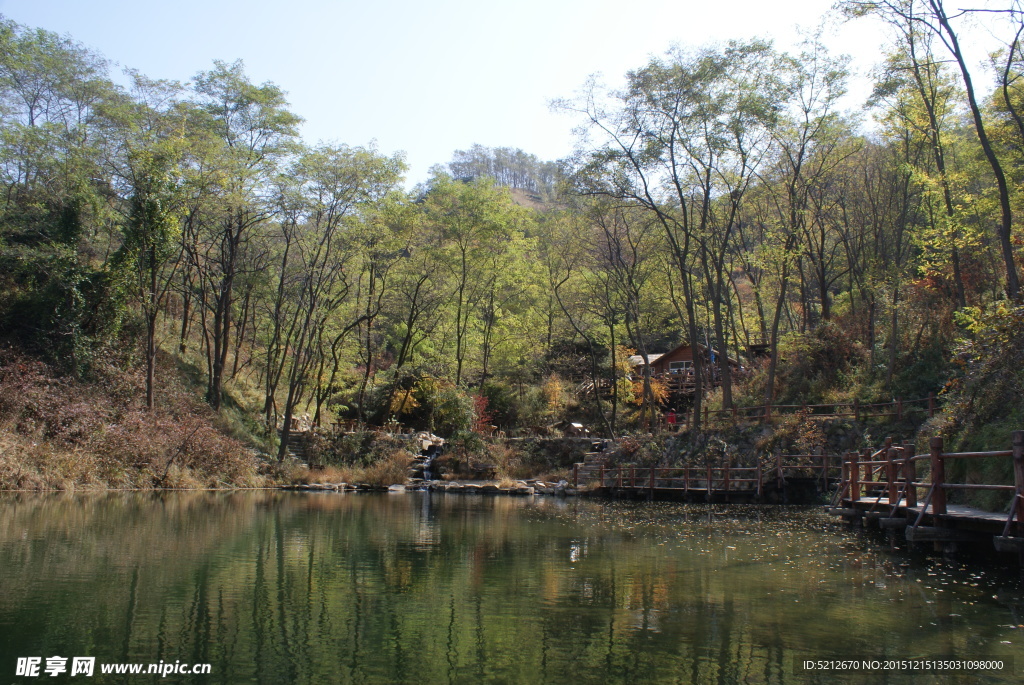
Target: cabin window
680 367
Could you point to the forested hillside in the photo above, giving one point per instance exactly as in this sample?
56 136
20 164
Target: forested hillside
157 236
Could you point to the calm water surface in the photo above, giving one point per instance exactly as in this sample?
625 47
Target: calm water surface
273 588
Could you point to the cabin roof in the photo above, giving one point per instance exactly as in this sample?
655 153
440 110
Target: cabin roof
638 359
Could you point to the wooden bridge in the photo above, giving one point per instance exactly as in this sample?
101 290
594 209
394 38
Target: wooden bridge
806 473
882 488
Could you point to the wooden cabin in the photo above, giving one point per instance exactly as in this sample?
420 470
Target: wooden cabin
678 360
675 367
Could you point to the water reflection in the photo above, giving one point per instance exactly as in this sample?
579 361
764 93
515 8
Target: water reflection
274 587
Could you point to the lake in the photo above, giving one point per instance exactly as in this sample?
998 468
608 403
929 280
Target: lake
276 587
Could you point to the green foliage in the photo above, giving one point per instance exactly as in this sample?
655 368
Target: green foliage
58 307
989 386
727 199
152 232
983 401
360 449
922 373
56 295
813 367
641 450
508 167
797 433
442 407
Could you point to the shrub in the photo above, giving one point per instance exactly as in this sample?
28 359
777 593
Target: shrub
642 450
73 434
390 470
508 462
442 407
360 449
983 405
813 368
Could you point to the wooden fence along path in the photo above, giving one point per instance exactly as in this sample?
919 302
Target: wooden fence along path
709 482
897 408
883 488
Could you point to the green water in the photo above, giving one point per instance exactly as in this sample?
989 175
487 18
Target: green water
275 587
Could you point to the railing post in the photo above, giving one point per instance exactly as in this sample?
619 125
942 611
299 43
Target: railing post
844 477
759 478
854 477
632 476
652 481
728 468
899 408
938 476
600 475
856 409
890 474
709 476
910 476
867 476
778 470
1018 476
886 446
931 404
767 412
575 475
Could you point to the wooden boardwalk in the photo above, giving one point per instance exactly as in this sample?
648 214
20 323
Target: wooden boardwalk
883 489
880 488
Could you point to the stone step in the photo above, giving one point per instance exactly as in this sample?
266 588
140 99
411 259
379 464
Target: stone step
587 472
296 443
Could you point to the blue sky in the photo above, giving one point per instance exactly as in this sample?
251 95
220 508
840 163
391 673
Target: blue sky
425 78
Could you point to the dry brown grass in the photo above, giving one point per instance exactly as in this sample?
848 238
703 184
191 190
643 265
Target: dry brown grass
556 475
508 462
328 474
59 433
391 470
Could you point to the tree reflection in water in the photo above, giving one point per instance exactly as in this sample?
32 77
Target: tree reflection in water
274 587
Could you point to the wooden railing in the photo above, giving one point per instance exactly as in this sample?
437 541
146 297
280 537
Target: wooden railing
897 408
712 479
891 472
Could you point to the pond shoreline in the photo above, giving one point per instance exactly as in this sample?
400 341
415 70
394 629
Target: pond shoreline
520 489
